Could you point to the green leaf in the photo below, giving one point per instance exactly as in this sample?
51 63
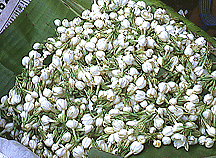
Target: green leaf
35 24
95 153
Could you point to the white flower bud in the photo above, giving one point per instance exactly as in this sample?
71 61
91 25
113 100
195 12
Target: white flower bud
128 59
25 139
123 133
48 142
158 122
163 87
211 131
188 51
147 67
110 95
166 140
66 137
197 89
167 131
192 140
139 21
61 104
118 125
209 143
207 114
72 124
90 46
95 70
80 85
78 152
35 80
33 144
141 82
72 112
57 22
101 44
193 98
173 101
109 130
202 140
47 93
125 24
123 82
139 96
200 41
57 91
199 71
46 120
152 130
86 142
87 119
157 143
135 148
102 145
99 24
133 71
100 55
46 106
164 36
99 122
151 93
208 98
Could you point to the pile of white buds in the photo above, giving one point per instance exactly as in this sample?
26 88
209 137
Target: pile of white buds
123 75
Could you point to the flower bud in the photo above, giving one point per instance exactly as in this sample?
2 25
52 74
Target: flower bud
209 143
135 148
109 130
207 114
80 85
123 133
46 120
78 152
208 98
157 143
211 131
167 131
151 93
99 122
25 139
46 106
192 140
47 93
139 96
86 142
33 144
118 125
193 98
25 61
147 67
102 145
87 119
72 112
202 140
158 122
166 140
61 104
141 82
199 71
28 106
88 128
66 137
72 124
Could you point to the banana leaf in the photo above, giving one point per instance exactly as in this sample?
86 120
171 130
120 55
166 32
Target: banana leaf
35 24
